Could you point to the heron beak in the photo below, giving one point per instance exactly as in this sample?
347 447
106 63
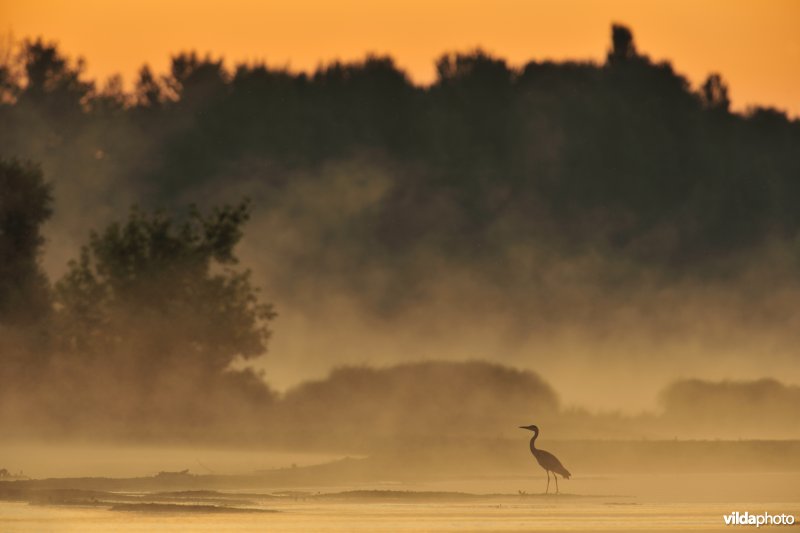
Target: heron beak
524 427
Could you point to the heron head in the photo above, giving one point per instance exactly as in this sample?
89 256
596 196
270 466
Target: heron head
531 428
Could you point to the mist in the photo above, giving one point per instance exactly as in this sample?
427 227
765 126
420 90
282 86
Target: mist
594 245
553 296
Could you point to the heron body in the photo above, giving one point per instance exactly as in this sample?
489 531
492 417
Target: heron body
547 460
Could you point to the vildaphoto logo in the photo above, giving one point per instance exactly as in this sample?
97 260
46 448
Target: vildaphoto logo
765 519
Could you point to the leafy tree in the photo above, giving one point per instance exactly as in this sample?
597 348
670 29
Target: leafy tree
149 92
164 293
195 80
714 93
51 81
25 204
489 164
622 46
622 157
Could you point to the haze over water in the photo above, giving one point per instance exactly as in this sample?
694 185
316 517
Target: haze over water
343 295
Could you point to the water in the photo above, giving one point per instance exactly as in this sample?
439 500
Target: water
694 502
439 516
43 460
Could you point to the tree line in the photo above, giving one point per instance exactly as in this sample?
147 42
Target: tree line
622 157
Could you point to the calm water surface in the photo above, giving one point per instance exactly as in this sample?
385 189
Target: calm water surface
624 503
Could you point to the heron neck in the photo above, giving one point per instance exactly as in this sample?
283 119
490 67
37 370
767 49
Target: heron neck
533 440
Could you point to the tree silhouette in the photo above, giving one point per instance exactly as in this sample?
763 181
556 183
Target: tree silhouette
568 145
25 300
51 82
149 93
714 93
621 156
621 160
25 204
150 283
622 47
155 309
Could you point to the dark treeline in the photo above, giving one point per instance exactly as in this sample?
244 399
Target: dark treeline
488 163
623 157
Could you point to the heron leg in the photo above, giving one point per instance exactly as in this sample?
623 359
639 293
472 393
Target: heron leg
548 482
556 478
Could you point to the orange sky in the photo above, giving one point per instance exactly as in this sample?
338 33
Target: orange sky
755 44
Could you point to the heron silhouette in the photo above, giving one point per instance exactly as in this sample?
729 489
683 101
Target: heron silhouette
546 460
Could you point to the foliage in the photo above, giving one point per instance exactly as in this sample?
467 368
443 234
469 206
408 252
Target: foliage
623 156
164 292
25 204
